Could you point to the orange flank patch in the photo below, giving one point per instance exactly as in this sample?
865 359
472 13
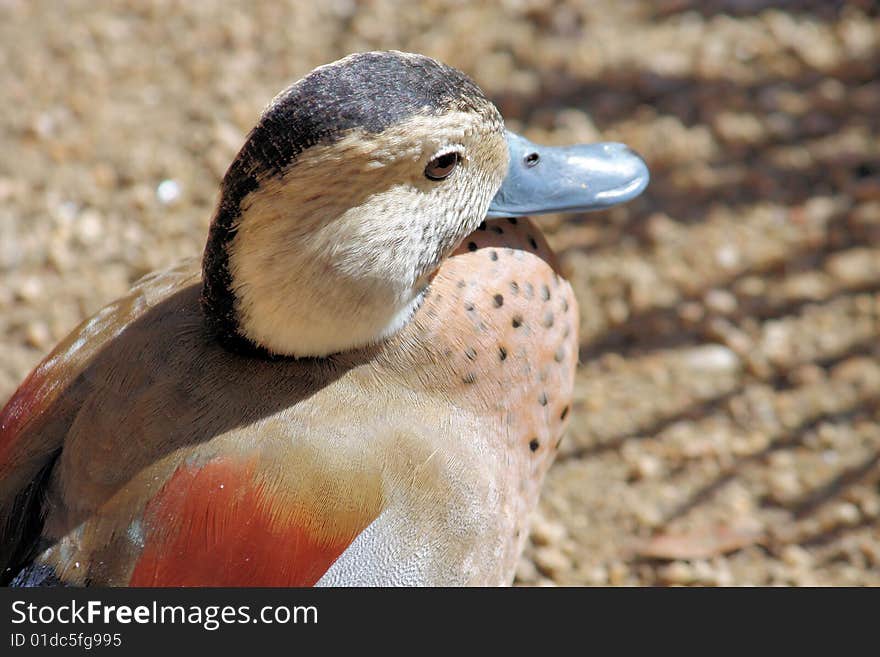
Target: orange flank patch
215 525
25 404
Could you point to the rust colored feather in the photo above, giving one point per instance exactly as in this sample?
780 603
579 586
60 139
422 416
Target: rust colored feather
215 525
31 398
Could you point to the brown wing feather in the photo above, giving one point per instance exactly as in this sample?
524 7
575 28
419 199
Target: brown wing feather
142 402
35 420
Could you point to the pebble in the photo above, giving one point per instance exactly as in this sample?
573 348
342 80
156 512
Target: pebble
740 128
728 256
720 301
796 557
546 532
871 550
830 457
646 466
30 289
714 358
168 192
618 311
691 312
38 335
551 561
871 507
847 514
807 374
820 209
545 582
705 573
854 267
596 576
618 572
784 485
678 572
89 227
526 571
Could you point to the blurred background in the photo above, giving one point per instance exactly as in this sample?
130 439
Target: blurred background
726 426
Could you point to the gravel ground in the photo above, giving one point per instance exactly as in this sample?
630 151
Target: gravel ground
726 420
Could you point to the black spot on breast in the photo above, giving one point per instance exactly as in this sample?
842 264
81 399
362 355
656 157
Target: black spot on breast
470 353
530 291
564 413
545 293
470 379
548 320
514 287
493 255
468 306
534 444
559 356
472 246
517 321
542 400
502 353
499 300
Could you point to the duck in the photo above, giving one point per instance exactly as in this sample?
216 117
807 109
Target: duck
363 380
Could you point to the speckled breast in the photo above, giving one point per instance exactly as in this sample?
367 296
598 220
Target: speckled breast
497 336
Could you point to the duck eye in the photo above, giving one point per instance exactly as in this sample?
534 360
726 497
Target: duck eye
531 159
440 167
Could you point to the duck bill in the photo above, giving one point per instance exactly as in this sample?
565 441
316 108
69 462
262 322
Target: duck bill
545 179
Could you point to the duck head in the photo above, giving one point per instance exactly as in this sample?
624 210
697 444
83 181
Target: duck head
355 185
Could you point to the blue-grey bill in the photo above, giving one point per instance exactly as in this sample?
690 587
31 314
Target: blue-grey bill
545 179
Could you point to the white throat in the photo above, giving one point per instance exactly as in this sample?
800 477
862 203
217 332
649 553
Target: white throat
334 284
